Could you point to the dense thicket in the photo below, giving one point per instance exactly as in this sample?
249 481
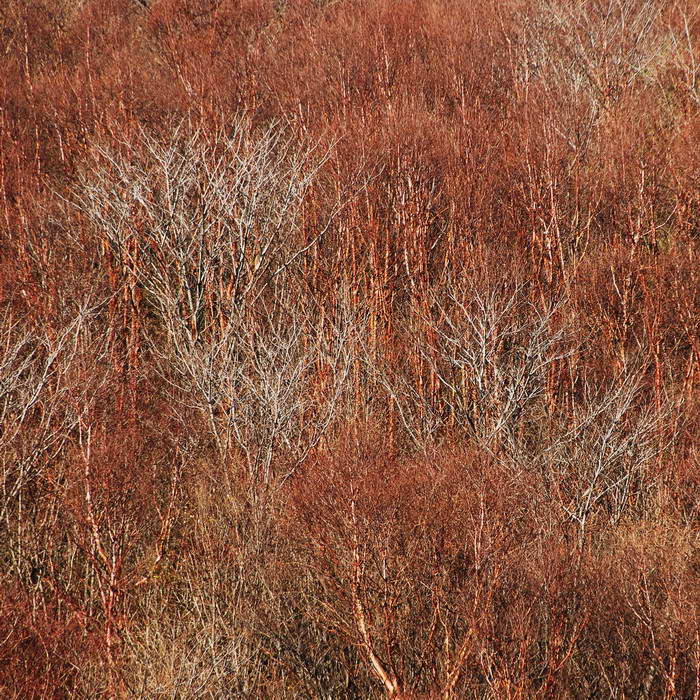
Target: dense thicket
349 349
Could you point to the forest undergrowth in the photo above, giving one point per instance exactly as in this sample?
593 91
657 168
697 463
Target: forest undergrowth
349 349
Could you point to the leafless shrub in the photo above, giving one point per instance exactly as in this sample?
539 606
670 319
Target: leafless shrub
200 227
584 54
683 49
204 223
594 46
600 453
255 384
194 630
387 574
40 407
228 615
495 348
491 350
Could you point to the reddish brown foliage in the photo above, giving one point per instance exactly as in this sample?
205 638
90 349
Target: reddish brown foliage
349 348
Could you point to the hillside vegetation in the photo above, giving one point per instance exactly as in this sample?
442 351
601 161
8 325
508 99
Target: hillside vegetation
349 349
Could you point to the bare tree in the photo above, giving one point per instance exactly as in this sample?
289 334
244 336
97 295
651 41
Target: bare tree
204 223
493 353
490 350
602 450
255 383
204 229
583 54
